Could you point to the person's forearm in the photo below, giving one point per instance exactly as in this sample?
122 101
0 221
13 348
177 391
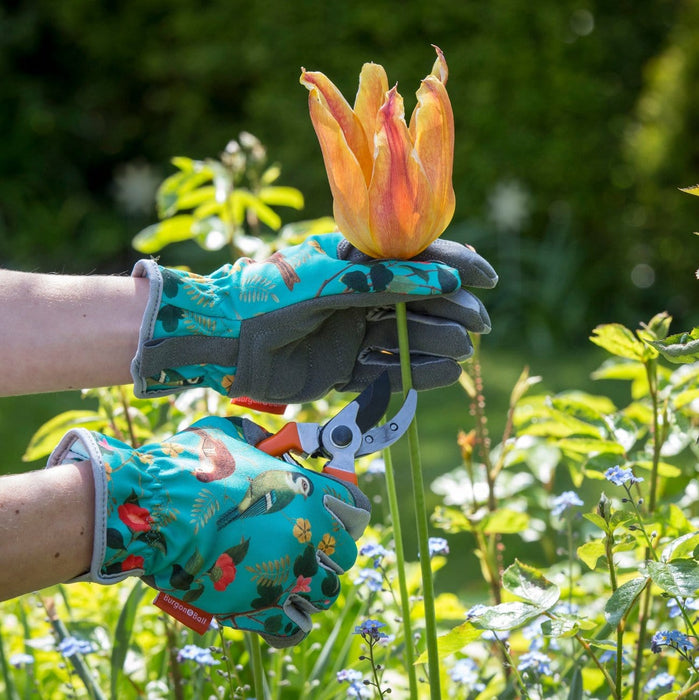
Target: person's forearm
46 527
60 332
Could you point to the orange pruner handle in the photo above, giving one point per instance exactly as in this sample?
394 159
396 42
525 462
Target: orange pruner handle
285 440
341 474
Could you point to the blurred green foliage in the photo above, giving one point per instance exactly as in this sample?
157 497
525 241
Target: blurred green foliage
574 129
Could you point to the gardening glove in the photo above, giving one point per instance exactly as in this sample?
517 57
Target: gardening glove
312 317
215 523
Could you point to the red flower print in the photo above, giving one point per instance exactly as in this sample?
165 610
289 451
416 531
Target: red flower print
132 562
225 564
303 585
134 517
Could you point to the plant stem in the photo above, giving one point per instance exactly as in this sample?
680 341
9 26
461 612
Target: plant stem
257 667
652 374
76 660
595 660
420 512
392 495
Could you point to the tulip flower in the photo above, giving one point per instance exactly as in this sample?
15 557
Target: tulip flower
391 183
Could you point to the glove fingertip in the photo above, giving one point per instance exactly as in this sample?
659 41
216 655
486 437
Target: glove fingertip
353 518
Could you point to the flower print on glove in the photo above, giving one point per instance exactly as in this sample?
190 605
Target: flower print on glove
211 521
321 310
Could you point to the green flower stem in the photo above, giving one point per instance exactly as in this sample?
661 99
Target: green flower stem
402 579
652 374
76 660
257 667
420 511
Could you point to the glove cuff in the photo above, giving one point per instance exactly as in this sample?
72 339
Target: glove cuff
151 270
79 445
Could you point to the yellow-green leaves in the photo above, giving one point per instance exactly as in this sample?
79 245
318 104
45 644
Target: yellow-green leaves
620 341
214 201
47 436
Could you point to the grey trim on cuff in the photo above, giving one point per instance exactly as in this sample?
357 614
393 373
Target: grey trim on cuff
151 270
78 445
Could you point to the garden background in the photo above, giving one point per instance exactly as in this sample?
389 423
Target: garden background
575 121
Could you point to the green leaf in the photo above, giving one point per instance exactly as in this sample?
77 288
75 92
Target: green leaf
180 579
452 641
193 594
591 551
197 197
590 446
269 596
597 520
683 398
47 436
619 340
153 238
530 585
451 520
505 616
680 547
115 539
664 469
330 585
194 563
9 685
576 685
271 174
242 200
238 552
619 368
306 564
122 634
523 384
504 521
174 187
584 406
281 197
273 624
679 348
623 599
155 539
565 626
298 231
679 577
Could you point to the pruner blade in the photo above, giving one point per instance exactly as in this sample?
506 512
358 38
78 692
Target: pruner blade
351 433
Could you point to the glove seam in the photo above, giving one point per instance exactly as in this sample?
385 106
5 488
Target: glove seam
99 474
151 270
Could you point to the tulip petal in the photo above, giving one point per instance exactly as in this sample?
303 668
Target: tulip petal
399 194
373 86
440 69
432 128
338 107
349 190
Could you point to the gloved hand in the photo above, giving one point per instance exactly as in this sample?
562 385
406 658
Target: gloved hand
212 521
312 317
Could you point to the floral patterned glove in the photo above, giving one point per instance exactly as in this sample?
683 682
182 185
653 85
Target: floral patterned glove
215 523
311 318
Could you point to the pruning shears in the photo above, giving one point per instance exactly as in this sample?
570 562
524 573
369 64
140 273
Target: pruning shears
351 433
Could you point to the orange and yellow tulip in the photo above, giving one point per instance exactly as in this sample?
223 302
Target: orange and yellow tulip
391 183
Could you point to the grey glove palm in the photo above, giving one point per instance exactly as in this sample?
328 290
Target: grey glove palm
311 318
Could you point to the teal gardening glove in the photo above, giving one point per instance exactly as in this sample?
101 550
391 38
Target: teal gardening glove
210 520
313 317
